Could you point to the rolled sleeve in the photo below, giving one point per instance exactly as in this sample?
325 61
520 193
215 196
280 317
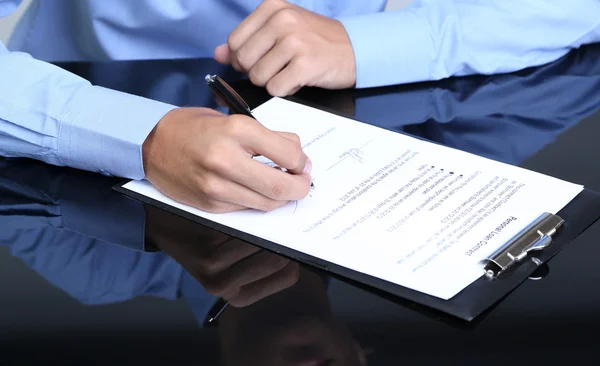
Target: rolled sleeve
103 131
389 48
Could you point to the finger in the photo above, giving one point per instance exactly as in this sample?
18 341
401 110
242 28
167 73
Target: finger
231 192
294 90
272 63
210 205
282 151
248 270
225 256
289 80
253 23
222 54
258 290
208 238
273 184
255 48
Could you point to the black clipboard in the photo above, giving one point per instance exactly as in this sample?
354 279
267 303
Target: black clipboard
556 230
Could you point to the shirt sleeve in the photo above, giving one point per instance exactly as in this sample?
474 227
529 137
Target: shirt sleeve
52 115
436 39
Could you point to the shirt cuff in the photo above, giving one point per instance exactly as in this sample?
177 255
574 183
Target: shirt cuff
390 48
103 131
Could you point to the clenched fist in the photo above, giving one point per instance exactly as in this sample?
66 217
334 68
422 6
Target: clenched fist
285 47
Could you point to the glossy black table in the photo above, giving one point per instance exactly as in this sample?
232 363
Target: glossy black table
81 280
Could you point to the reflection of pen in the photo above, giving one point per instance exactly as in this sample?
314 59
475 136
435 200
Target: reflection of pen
217 310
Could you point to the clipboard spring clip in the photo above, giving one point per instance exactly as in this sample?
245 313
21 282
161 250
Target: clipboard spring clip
535 237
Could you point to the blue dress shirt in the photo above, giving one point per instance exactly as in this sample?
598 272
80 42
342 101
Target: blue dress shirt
49 114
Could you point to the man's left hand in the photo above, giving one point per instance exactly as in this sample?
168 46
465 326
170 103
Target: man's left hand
284 47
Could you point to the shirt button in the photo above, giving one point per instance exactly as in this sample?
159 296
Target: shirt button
105 173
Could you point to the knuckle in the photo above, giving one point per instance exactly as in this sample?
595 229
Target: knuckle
268 4
232 41
257 77
303 64
214 159
276 263
212 206
215 286
240 301
210 264
295 138
212 188
277 87
286 18
205 264
243 58
273 88
293 274
278 189
294 43
238 126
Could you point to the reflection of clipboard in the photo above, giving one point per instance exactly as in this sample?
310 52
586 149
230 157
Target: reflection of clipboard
509 266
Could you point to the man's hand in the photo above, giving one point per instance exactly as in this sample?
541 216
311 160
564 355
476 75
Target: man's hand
203 158
285 47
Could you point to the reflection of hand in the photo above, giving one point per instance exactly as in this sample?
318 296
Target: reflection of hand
202 158
292 327
226 267
284 47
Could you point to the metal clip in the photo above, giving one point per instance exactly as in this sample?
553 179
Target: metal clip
535 237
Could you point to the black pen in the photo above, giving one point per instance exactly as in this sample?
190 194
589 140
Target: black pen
236 104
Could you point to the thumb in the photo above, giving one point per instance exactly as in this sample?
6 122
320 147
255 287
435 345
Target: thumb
222 54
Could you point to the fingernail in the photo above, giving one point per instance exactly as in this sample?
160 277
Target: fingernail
307 167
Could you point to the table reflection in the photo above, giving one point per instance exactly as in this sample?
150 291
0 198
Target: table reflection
102 250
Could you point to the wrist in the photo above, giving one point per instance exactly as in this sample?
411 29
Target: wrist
167 133
151 146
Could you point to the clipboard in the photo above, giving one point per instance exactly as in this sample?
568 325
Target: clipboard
502 272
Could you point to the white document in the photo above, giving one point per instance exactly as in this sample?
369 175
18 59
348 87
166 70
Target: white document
392 206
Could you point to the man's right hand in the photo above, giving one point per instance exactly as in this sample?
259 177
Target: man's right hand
203 158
